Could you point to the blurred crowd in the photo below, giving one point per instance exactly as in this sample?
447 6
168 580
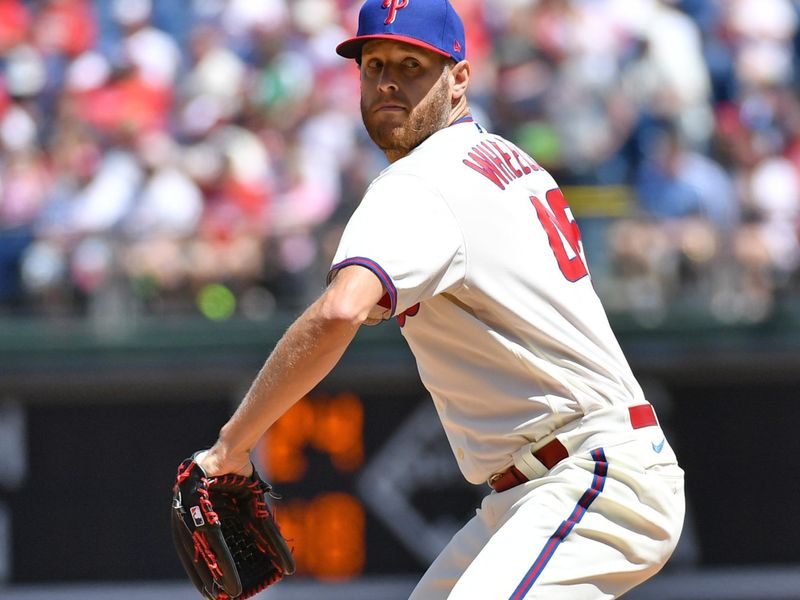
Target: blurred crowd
154 152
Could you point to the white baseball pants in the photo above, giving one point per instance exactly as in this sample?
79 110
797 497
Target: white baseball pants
592 528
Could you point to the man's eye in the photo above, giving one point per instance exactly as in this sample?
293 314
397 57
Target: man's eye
412 64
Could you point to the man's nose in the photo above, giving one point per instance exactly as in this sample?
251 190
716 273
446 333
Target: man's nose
387 81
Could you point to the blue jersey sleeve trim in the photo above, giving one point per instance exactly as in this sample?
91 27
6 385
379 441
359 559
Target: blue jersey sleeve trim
375 268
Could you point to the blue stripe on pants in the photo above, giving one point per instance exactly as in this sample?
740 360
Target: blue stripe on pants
598 481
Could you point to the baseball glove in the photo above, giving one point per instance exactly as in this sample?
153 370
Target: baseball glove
225 533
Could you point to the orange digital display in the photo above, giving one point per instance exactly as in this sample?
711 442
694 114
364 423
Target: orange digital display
330 424
327 535
327 532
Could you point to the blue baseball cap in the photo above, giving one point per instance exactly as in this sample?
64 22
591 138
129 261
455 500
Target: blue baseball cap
430 24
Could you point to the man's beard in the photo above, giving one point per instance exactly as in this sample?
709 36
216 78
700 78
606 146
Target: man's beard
428 117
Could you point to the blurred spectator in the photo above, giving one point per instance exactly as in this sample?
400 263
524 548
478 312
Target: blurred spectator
14 23
764 30
215 81
65 27
687 212
668 77
767 243
153 53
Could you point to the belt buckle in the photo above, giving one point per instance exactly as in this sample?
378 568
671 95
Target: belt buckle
495 478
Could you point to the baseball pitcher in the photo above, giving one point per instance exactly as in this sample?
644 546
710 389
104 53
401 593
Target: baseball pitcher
470 247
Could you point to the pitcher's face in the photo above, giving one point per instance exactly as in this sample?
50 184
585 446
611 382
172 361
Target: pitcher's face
405 95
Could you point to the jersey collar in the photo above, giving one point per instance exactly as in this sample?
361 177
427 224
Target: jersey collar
464 119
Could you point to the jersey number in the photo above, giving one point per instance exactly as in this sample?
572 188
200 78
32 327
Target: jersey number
562 233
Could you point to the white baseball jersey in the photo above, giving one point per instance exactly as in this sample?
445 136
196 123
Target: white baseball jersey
484 270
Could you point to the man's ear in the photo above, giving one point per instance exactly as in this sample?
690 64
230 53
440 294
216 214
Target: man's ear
459 79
